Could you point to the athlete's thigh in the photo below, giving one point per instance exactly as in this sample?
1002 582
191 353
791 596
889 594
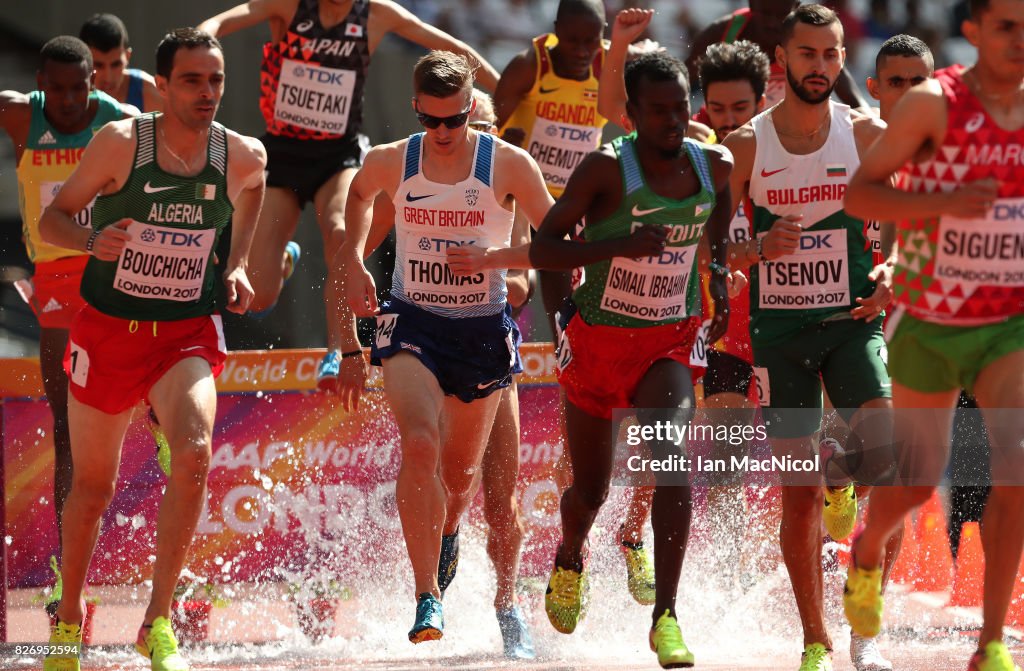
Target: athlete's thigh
466 427
330 200
276 226
999 390
96 439
923 432
185 400
413 392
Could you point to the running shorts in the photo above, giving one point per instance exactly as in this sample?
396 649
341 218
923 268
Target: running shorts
305 165
56 291
727 373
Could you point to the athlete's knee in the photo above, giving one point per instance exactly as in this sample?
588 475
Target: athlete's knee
502 513
92 493
800 501
421 448
190 461
591 495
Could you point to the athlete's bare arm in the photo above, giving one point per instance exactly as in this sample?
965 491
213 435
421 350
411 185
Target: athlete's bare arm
919 119
516 81
104 168
15 119
278 13
718 235
629 25
151 98
849 92
594 191
247 160
388 17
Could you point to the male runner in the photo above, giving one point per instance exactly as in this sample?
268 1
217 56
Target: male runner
312 79
446 343
166 186
961 299
629 343
50 128
810 327
108 41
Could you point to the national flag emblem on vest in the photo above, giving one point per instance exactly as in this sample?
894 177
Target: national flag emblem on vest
206 191
835 170
353 30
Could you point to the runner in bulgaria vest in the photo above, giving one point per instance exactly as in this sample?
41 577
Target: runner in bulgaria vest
311 82
48 160
559 117
430 217
165 272
637 293
830 269
963 272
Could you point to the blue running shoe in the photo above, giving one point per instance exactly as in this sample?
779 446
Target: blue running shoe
448 562
429 624
292 254
328 370
515 636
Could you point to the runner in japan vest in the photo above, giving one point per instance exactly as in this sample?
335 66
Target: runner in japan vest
637 293
966 272
48 160
559 117
430 217
311 82
165 271
830 268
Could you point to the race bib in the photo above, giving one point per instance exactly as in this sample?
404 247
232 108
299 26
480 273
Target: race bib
873 232
739 227
385 329
983 252
314 97
48 191
653 288
764 390
163 262
558 148
814 276
429 281
699 353
79 364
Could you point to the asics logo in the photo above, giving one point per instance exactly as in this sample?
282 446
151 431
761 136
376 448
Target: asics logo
304 26
149 188
975 122
765 173
412 199
637 212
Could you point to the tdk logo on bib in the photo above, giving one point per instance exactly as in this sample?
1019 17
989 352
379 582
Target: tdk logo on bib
1013 211
321 75
570 134
812 241
173 238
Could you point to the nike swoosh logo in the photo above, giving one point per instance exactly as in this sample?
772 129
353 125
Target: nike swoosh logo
544 90
412 199
149 188
765 173
488 385
637 212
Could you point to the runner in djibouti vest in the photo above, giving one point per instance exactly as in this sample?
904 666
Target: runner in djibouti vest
430 217
165 272
821 279
311 82
559 117
637 293
966 272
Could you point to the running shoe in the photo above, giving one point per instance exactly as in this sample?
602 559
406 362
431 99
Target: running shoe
68 637
158 644
515 635
816 657
840 513
292 254
639 572
994 658
667 641
866 656
429 625
328 370
448 562
53 600
567 597
862 600
163 449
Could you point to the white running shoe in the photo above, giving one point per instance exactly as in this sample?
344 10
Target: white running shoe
865 655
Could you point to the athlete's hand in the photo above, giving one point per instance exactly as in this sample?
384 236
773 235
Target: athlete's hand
648 240
111 240
239 291
736 282
630 24
516 136
720 297
973 200
352 381
783 238
872 306
466 259
361 290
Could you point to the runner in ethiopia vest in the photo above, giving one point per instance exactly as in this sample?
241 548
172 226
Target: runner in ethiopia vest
830 267
311 82
165 271
430 217
659 289
958 271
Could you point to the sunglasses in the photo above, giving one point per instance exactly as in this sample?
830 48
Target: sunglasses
481 125
430 121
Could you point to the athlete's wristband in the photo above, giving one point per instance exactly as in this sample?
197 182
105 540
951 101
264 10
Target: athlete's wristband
91 242
357 352
718 269
760 250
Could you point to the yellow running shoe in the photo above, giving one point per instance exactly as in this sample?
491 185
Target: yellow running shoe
862 600
816 657
639 572
157 642
995 658
566 598
840 513
163 449
67 655
667 641
51 601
